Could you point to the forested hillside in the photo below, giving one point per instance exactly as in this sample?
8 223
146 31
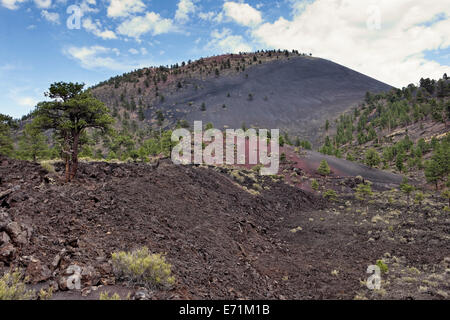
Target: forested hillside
404 130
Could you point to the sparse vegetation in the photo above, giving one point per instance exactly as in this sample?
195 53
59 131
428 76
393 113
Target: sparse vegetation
330 195
48 166
45 294
419 197
142 267
363 191
406 188
446 195
13 287
383 266
106 296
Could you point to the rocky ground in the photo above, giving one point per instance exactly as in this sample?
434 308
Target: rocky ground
229 233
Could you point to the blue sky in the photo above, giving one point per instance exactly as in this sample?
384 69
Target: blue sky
395 43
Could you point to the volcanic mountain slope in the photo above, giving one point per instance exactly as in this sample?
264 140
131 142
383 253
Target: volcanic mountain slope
289 91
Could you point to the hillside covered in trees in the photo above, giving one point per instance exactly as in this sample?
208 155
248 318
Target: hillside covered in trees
404 130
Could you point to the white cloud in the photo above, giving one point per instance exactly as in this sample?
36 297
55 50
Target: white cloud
346 32
85 6
151 22
225 41
144 51
242 13
95 28
184 9
123 8
94 57
99 57
52 17
11 4
21 96
208 16
133 51
26 101
43 4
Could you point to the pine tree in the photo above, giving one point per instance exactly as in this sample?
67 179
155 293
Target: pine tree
32 143
372 158
6 143
438 167
399 161
406 188
72 111
324 168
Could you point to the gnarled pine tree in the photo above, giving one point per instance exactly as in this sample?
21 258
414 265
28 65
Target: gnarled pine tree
71 112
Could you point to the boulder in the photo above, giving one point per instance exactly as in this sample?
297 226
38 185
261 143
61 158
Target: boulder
89 276
57 258
4 220
4 238
19 233
142 294
37 271
105 268
7 252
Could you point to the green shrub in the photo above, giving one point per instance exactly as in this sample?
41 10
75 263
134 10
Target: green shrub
446 195
142 267
257 187
106 296
363 191
45 294
12 287
257 168
419 197
350 157
324 168
237 176
330 195
383 266
314 184
406 188
372 158
48 166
